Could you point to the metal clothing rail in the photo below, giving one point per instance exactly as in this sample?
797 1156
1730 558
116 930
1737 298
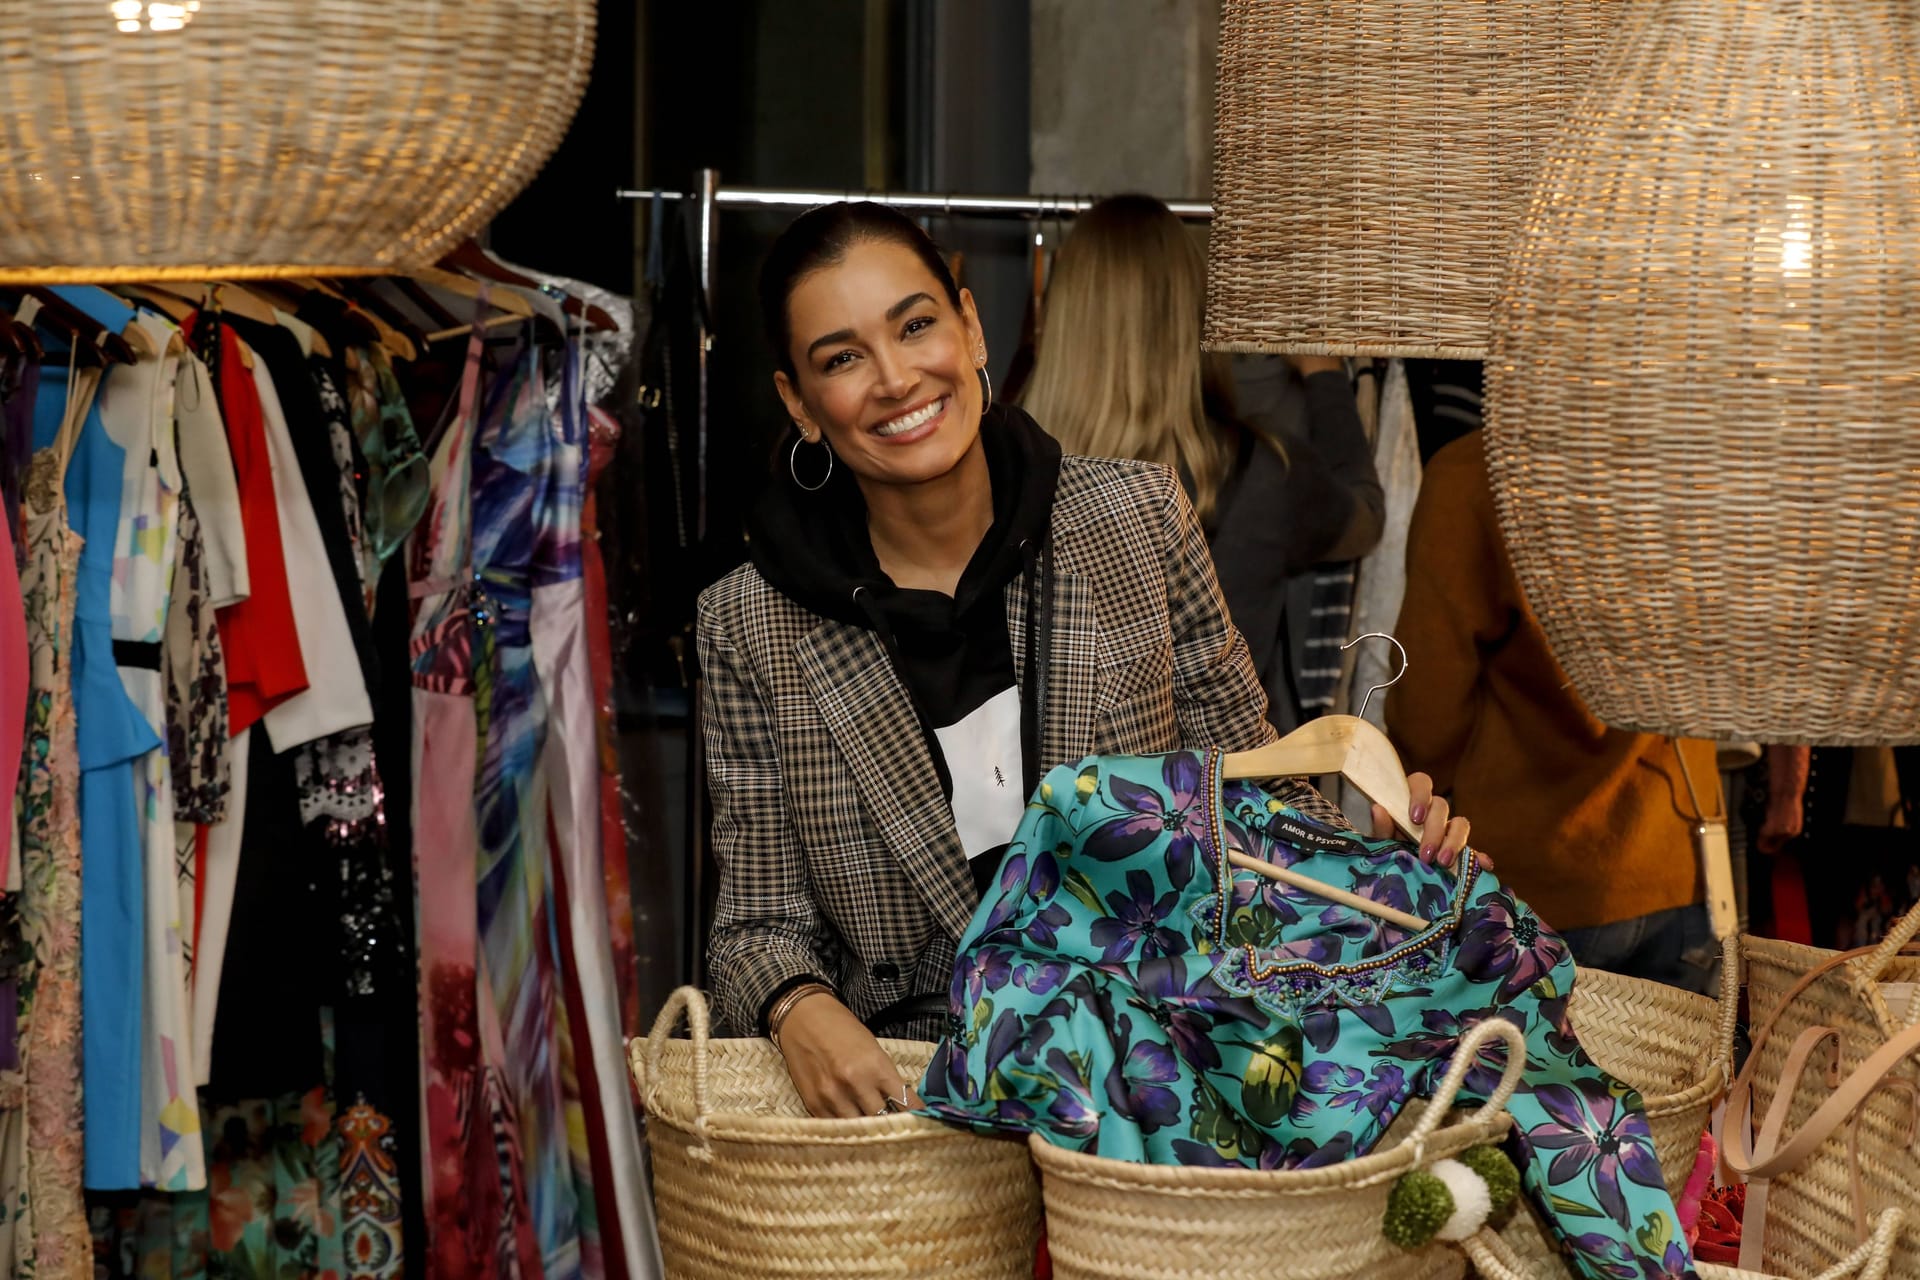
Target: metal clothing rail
712 198
926 202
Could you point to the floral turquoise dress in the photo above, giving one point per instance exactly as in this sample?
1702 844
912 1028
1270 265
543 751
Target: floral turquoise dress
1123 991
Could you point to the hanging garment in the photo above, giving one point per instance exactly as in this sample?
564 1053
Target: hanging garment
112 733
1381 583
333 650
257 635
137 406
210 573
13 690
214 852
512 467
1126 993
606 1148
604 434
397 471
475 1180
47 1203
19 389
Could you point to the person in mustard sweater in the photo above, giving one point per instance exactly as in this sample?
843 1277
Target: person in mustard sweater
1591 826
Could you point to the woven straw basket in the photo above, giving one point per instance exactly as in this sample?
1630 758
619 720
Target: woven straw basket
746 1185
1872 1260
1674 1047
1113 1220
1810 1217
271 137
1372 159
1703 420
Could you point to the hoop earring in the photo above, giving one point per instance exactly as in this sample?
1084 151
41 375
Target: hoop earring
988 394
793 465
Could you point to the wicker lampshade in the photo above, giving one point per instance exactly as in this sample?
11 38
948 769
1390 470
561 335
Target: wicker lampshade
1371 160
250 138
1704 395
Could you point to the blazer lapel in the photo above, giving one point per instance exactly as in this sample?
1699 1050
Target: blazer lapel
1073 680
870 714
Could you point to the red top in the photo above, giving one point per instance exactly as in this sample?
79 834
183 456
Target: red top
264 666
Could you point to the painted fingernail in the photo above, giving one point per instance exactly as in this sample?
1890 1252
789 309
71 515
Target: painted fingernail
1426 853
1419 813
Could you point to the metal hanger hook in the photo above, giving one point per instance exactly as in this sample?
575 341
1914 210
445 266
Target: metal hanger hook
1397 648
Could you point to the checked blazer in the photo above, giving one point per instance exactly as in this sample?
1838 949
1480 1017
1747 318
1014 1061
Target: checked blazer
837 849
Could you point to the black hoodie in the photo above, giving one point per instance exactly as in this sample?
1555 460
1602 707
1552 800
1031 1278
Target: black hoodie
952 653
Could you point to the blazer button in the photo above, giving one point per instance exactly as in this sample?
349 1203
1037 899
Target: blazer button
886 973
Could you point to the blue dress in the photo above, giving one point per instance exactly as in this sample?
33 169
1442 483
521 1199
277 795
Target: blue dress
1125 992
112 735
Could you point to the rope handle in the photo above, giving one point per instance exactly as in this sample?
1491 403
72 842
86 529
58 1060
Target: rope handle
690 1001
1874 1257
1492 1257
1463 1060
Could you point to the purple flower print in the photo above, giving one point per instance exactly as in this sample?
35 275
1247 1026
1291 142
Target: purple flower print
1177 815
1137 1082
1597 1140
989 970
1041 978
1381 1094
1374 934
1439 1035
1044 929
1321 1024
1072 1109
1135 923
1603 1257
1501 939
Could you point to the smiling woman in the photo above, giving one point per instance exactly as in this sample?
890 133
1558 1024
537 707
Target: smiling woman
939 608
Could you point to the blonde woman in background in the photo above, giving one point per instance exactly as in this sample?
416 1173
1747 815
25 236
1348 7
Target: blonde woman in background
1120 374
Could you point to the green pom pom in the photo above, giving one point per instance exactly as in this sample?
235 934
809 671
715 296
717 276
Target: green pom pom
1497 1171
1418 1206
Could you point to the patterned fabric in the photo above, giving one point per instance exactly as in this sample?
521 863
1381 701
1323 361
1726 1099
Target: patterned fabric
605 433
138 411
1127 993
196 684
478 1222
513 459
823 790
56 1247
369 1195
398 478
333 407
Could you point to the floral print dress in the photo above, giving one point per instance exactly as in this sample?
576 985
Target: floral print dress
1126 993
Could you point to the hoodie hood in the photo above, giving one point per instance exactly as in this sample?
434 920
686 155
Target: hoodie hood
814 549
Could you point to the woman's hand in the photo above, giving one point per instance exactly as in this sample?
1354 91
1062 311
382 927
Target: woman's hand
838 1067
1442 836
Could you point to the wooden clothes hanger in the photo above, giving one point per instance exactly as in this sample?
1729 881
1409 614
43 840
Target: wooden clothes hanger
1356 750
470 258
394 331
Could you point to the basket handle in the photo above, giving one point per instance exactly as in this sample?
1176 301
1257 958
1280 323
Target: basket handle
690 1001
1492 1257
1463 1056
1864 974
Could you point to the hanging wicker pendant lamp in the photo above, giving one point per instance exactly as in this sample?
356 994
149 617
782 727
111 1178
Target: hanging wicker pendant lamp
1704 395
1371 161
249 138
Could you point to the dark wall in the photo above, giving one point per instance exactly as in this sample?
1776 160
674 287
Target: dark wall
567 220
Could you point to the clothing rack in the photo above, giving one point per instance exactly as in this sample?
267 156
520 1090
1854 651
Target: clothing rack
711 197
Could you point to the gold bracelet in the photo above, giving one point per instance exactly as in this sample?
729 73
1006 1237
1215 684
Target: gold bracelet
777 1018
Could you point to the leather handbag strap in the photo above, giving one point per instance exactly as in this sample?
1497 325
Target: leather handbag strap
1769 1157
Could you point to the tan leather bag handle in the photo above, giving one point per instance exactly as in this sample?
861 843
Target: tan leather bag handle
1769 1157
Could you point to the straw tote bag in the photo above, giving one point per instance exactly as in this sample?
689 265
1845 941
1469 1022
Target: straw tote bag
746 1184
1823 1119
1116 1220
1675 1048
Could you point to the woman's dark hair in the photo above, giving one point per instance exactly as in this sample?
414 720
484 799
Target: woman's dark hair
820 238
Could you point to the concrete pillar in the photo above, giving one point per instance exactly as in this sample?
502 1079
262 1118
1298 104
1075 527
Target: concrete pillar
1122 96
